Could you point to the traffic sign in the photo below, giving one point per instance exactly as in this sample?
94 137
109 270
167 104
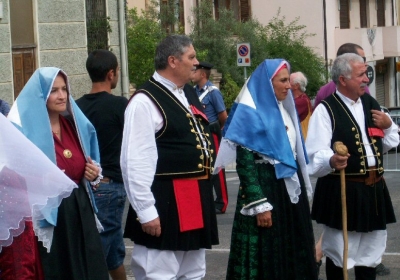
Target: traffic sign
243 54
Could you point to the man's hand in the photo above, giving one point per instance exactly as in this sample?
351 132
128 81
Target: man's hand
153 227
381 120
264 219
338 162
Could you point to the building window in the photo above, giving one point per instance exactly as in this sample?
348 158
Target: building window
97 25
245 10
241 9
344 14
23 43
380 12
172 15
363 13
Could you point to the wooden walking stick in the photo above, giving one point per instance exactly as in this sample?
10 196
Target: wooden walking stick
341 150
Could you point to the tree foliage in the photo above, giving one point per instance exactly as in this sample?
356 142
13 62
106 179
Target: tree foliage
215 41
144 31
278 39
143 34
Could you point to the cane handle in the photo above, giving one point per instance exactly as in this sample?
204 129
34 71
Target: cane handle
340 148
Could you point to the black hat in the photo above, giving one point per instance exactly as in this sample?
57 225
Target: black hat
204 65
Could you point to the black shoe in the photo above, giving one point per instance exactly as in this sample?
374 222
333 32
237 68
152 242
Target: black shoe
382 270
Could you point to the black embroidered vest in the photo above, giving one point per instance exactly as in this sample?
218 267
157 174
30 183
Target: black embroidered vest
346 130
181 151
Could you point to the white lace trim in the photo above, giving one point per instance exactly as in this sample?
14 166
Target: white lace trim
227 155
45 234
264 207
97 180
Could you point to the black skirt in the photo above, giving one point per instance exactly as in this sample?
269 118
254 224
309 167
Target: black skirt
76 251
369 208
171 238
283 251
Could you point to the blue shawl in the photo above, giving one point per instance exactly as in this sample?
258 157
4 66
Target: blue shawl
29 114
255 123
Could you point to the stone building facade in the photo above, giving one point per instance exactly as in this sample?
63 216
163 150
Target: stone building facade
38 33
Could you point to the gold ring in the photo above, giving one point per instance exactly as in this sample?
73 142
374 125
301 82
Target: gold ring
90 171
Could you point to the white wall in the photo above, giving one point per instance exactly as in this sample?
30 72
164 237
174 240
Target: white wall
310 14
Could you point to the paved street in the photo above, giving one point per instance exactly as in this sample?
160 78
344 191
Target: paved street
217 258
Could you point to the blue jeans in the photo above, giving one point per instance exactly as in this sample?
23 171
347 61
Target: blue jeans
110 200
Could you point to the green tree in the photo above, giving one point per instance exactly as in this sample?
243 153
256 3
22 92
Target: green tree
143 33
215 41
277 39
288 41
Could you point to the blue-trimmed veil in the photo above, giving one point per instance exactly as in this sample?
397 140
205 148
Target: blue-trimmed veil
255 123
29 114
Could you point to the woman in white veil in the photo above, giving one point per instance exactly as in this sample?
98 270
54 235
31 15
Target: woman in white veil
23 167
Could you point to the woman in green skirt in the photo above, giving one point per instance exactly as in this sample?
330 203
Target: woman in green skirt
272 235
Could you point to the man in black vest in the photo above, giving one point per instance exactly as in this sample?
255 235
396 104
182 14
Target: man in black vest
354 118
166 161
106 112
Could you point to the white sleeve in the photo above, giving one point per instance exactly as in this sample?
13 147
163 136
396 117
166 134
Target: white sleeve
139 155
391 138
318 143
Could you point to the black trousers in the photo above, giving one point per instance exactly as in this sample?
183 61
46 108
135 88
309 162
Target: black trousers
334 272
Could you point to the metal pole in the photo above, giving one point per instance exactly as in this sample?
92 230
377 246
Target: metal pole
245 73
123 49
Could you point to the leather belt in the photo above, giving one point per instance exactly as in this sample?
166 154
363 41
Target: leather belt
370 180
105 180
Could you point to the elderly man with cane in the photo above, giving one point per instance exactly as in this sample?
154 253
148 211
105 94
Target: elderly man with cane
354 118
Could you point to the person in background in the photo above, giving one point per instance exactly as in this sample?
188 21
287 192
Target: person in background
272 227
106 112
330 87
47 115
4 107
214 107
298 82
368 133
166 162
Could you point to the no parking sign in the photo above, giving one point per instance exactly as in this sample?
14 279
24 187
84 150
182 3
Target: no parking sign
243 54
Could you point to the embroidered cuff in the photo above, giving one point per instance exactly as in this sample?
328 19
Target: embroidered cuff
252 209
97 180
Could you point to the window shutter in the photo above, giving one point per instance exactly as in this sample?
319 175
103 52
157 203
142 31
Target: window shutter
23 67
245 11
380 12
344 14
380 89
363 14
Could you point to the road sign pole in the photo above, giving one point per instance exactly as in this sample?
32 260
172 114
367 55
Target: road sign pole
243 57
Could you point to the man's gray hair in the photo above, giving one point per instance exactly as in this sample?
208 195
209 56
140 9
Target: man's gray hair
342 66
172 45
300 79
